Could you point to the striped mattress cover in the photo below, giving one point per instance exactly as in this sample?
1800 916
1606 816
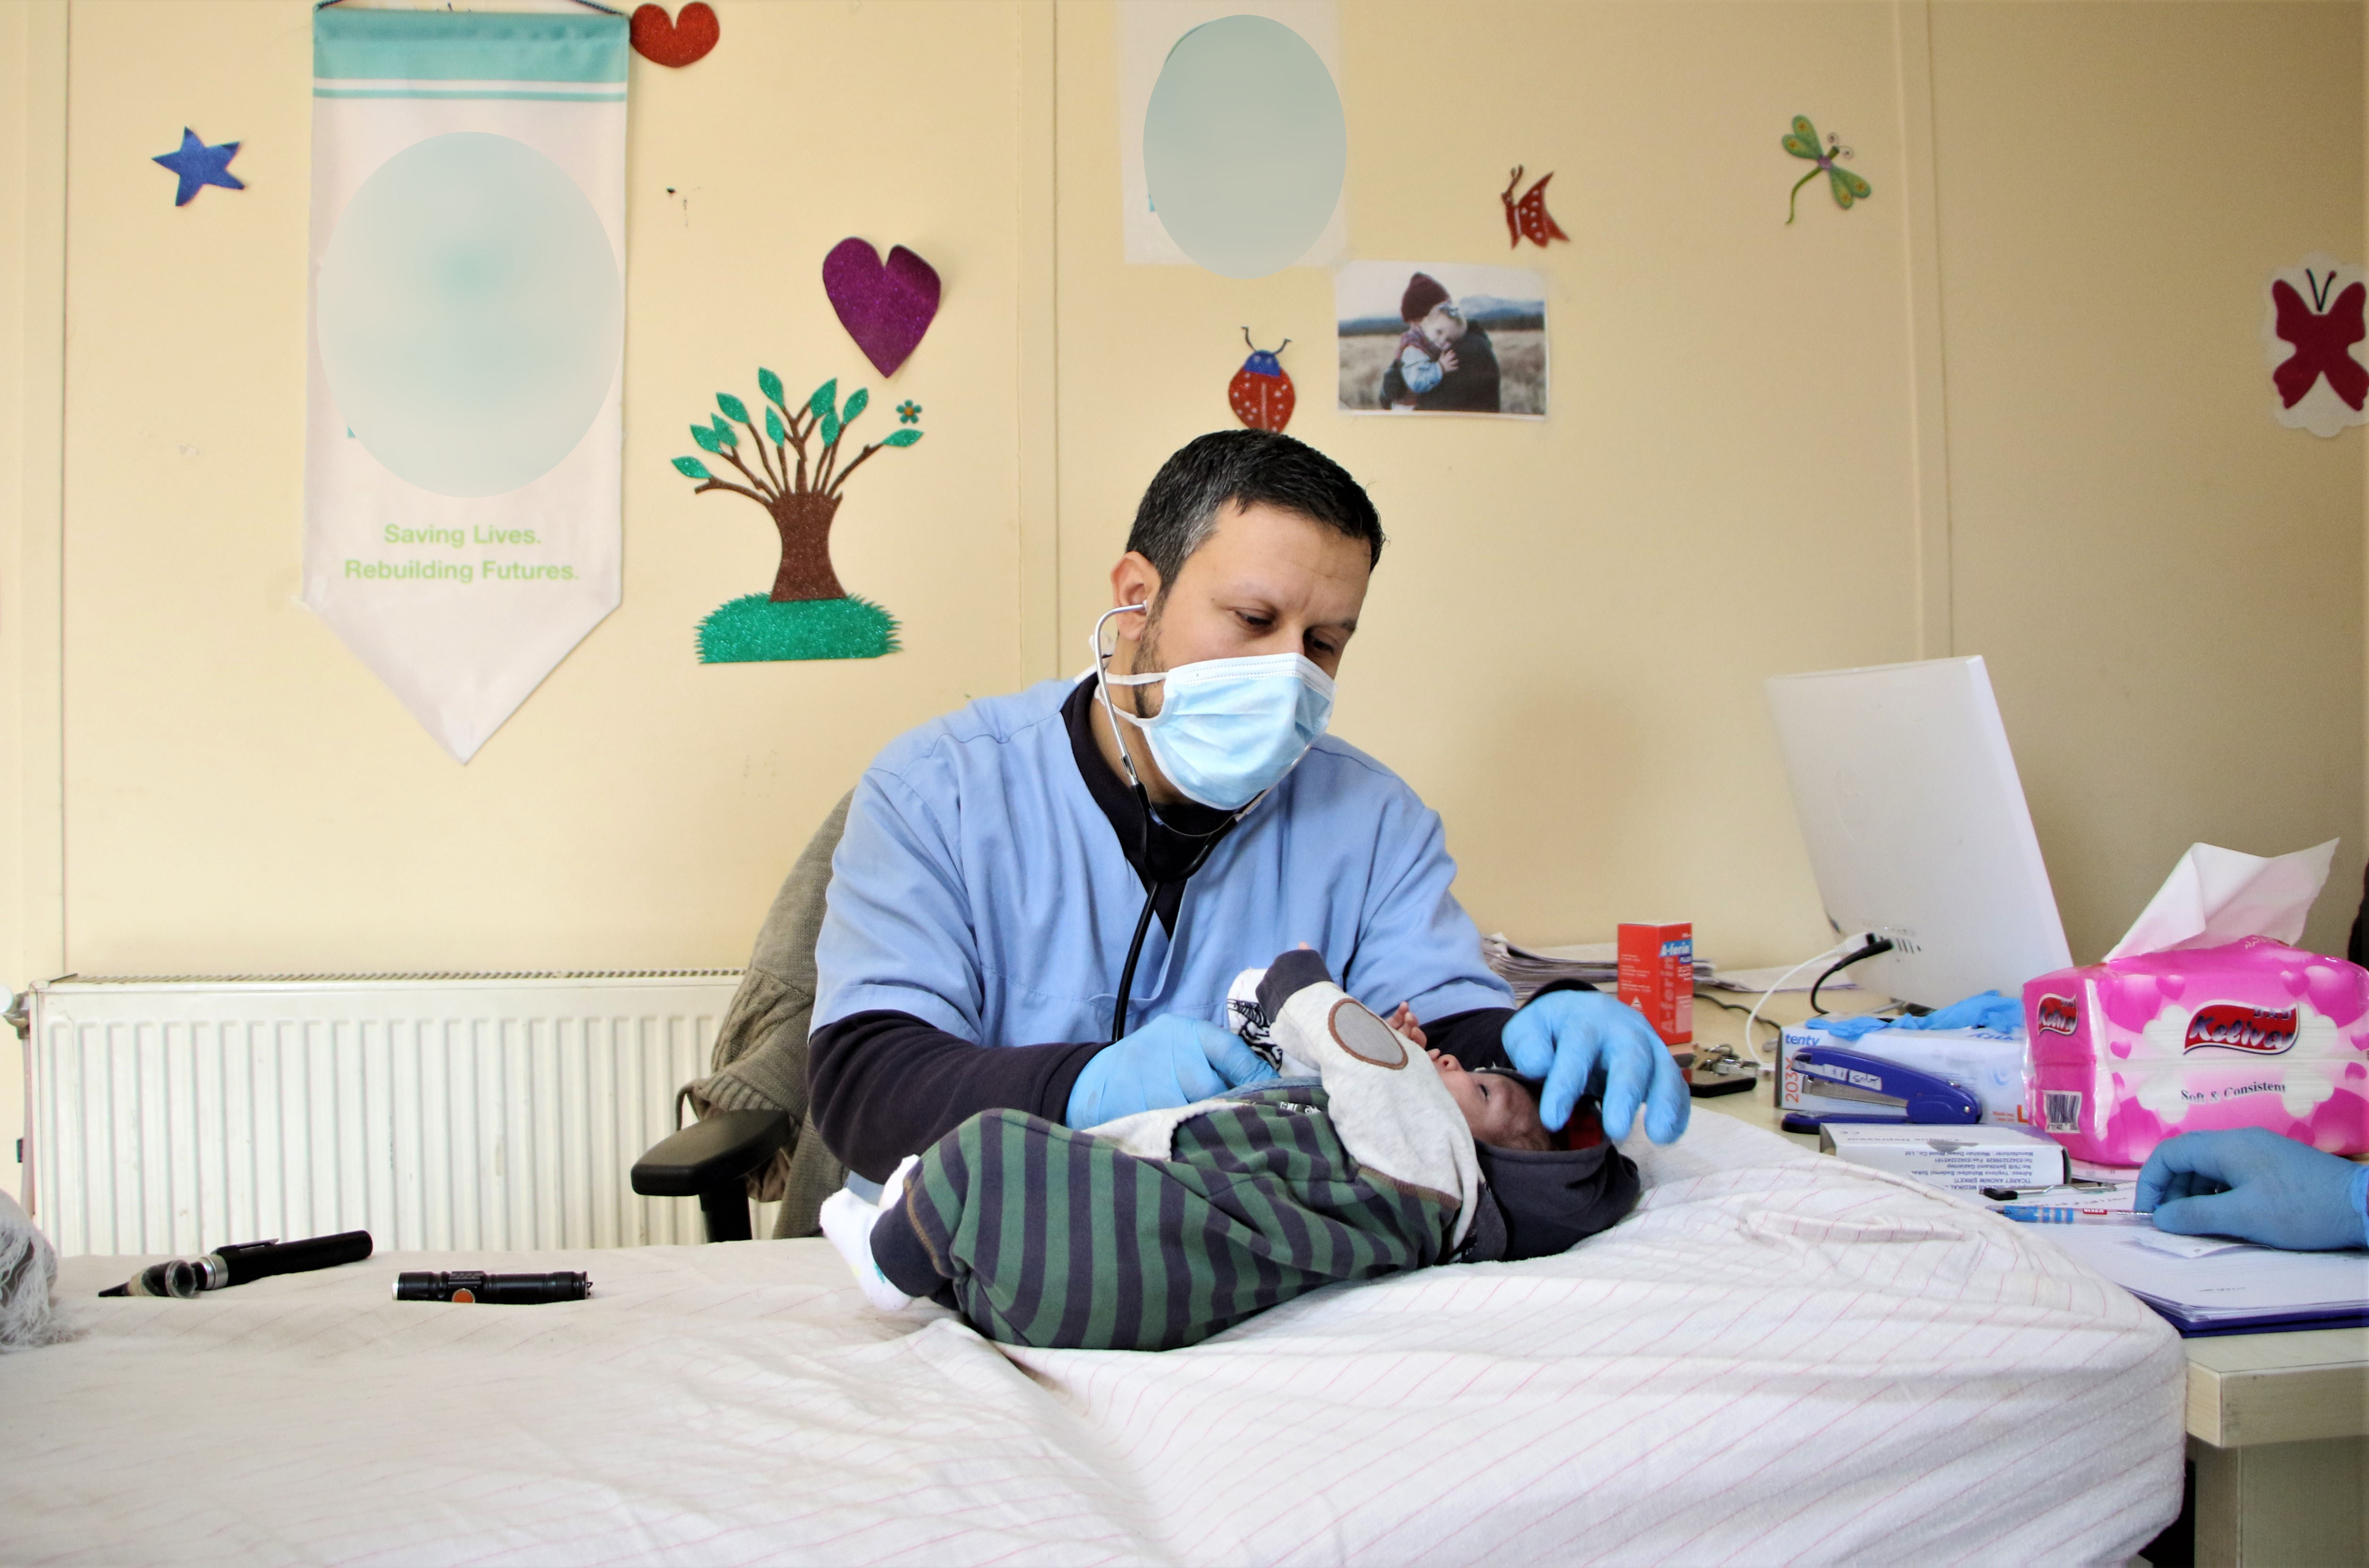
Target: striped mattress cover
1777 1358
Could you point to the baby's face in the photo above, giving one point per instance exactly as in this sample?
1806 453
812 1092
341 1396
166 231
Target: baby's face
1442 327
1498 1110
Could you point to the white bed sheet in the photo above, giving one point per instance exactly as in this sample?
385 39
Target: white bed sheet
1779 1358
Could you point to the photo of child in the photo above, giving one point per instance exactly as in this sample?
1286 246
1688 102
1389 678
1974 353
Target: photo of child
1441 339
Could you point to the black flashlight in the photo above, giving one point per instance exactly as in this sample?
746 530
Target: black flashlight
494 1289
184 1278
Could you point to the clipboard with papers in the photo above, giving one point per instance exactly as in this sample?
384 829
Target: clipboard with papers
2210 1285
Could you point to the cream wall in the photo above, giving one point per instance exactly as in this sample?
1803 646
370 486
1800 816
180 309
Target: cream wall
1564 643
1772 449
2165 582
1566 640
33 337
242 793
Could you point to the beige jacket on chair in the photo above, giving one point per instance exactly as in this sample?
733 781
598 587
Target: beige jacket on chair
759 1062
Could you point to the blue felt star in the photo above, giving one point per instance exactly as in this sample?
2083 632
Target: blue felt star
200 166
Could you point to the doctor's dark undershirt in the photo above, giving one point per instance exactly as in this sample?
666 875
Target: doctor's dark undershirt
886 1085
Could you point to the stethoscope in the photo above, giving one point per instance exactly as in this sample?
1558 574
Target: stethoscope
1145 817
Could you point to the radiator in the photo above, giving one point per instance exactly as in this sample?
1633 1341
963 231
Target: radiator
443 1111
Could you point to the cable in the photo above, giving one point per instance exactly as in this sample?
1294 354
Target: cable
1701 995
1875 945
1134 952
1145 817
1754 1016
1151 890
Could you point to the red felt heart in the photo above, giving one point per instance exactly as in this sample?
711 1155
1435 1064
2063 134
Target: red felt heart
688 37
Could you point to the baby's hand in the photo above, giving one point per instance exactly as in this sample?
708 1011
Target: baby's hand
1404 1022
1447 358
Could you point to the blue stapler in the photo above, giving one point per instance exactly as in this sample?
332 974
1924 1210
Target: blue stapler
1837 1085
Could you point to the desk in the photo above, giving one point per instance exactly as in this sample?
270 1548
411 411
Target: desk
2278 1424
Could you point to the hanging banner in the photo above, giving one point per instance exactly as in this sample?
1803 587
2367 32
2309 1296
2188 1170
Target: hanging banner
463 437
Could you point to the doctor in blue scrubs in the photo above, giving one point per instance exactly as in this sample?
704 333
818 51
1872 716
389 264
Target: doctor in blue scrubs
1040 900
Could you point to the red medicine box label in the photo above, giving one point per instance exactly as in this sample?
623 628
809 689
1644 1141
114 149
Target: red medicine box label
1657 977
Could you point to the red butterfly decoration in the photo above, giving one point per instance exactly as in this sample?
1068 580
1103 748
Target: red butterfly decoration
2323 345
1529 215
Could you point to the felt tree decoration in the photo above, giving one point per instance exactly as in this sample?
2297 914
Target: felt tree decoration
799 476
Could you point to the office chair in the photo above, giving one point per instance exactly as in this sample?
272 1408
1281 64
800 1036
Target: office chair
756 1138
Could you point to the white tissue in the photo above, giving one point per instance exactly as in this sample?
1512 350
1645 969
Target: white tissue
2214 896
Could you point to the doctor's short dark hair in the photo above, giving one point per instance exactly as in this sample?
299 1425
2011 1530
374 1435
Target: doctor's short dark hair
1247 468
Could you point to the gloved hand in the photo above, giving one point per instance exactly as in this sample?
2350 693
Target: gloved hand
1586 1042
1172 1060
2253 1184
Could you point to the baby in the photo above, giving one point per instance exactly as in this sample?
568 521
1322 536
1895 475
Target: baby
1162 1229
1426 349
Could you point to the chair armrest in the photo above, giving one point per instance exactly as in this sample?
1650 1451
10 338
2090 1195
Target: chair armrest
711 1153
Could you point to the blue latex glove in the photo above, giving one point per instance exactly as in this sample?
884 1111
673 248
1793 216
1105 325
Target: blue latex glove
1170 1061
2255 1185
1987 1011
1586 1042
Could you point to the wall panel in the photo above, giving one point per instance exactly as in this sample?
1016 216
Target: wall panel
2167 584
1565 644
1566 640
242 793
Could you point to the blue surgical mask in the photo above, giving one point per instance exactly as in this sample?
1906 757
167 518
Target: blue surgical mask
1228 729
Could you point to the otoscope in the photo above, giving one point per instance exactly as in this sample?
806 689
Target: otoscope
184 1278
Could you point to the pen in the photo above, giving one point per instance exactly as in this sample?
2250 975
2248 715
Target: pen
2053 1214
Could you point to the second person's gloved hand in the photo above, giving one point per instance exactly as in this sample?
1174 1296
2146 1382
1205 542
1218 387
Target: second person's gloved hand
2252 1183
1583 1042
1170 1061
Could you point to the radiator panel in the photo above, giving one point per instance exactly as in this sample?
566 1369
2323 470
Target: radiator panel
452 1114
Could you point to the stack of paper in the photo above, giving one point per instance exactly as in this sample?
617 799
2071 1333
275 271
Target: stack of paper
2210 1285
1528 968
1777 977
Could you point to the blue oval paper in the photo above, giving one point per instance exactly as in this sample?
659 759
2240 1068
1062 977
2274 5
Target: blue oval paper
1244 146
470 321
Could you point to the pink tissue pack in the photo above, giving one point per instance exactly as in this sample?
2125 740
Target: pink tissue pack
2130 1052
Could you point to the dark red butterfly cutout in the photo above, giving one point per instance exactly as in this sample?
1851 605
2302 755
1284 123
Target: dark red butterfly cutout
2323 345
1529 216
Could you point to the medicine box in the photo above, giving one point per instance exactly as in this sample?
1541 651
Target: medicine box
1657 977
1962 1159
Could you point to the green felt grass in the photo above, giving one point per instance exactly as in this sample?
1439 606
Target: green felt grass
755 630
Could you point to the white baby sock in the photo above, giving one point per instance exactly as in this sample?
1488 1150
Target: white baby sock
847 1220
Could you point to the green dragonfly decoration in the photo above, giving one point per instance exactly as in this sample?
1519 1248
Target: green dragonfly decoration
1802 143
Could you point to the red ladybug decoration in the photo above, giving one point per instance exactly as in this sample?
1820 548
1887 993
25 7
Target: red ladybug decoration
1262 393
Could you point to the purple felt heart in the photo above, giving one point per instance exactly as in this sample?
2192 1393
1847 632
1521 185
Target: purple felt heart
885 308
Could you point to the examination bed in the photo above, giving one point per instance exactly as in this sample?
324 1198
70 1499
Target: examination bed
1780 1358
